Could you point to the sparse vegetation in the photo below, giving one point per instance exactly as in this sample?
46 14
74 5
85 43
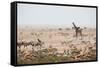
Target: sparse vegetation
54 46
60 29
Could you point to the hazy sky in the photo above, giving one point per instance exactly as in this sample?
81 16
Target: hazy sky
42 15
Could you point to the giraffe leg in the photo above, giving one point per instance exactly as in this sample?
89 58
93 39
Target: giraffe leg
76 33
81 33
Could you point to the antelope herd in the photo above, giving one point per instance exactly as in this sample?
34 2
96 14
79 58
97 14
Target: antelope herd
32 43
44 46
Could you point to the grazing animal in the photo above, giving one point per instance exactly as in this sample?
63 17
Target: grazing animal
19 44
39 43
78 30
23 43
32 43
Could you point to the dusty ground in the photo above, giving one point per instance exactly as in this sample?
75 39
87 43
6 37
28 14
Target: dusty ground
62 41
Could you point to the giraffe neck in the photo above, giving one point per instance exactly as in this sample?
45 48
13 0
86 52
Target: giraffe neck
74 25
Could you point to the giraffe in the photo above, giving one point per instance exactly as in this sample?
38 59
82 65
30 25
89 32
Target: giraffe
78 30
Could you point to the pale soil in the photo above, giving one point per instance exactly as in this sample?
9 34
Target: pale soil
60 39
